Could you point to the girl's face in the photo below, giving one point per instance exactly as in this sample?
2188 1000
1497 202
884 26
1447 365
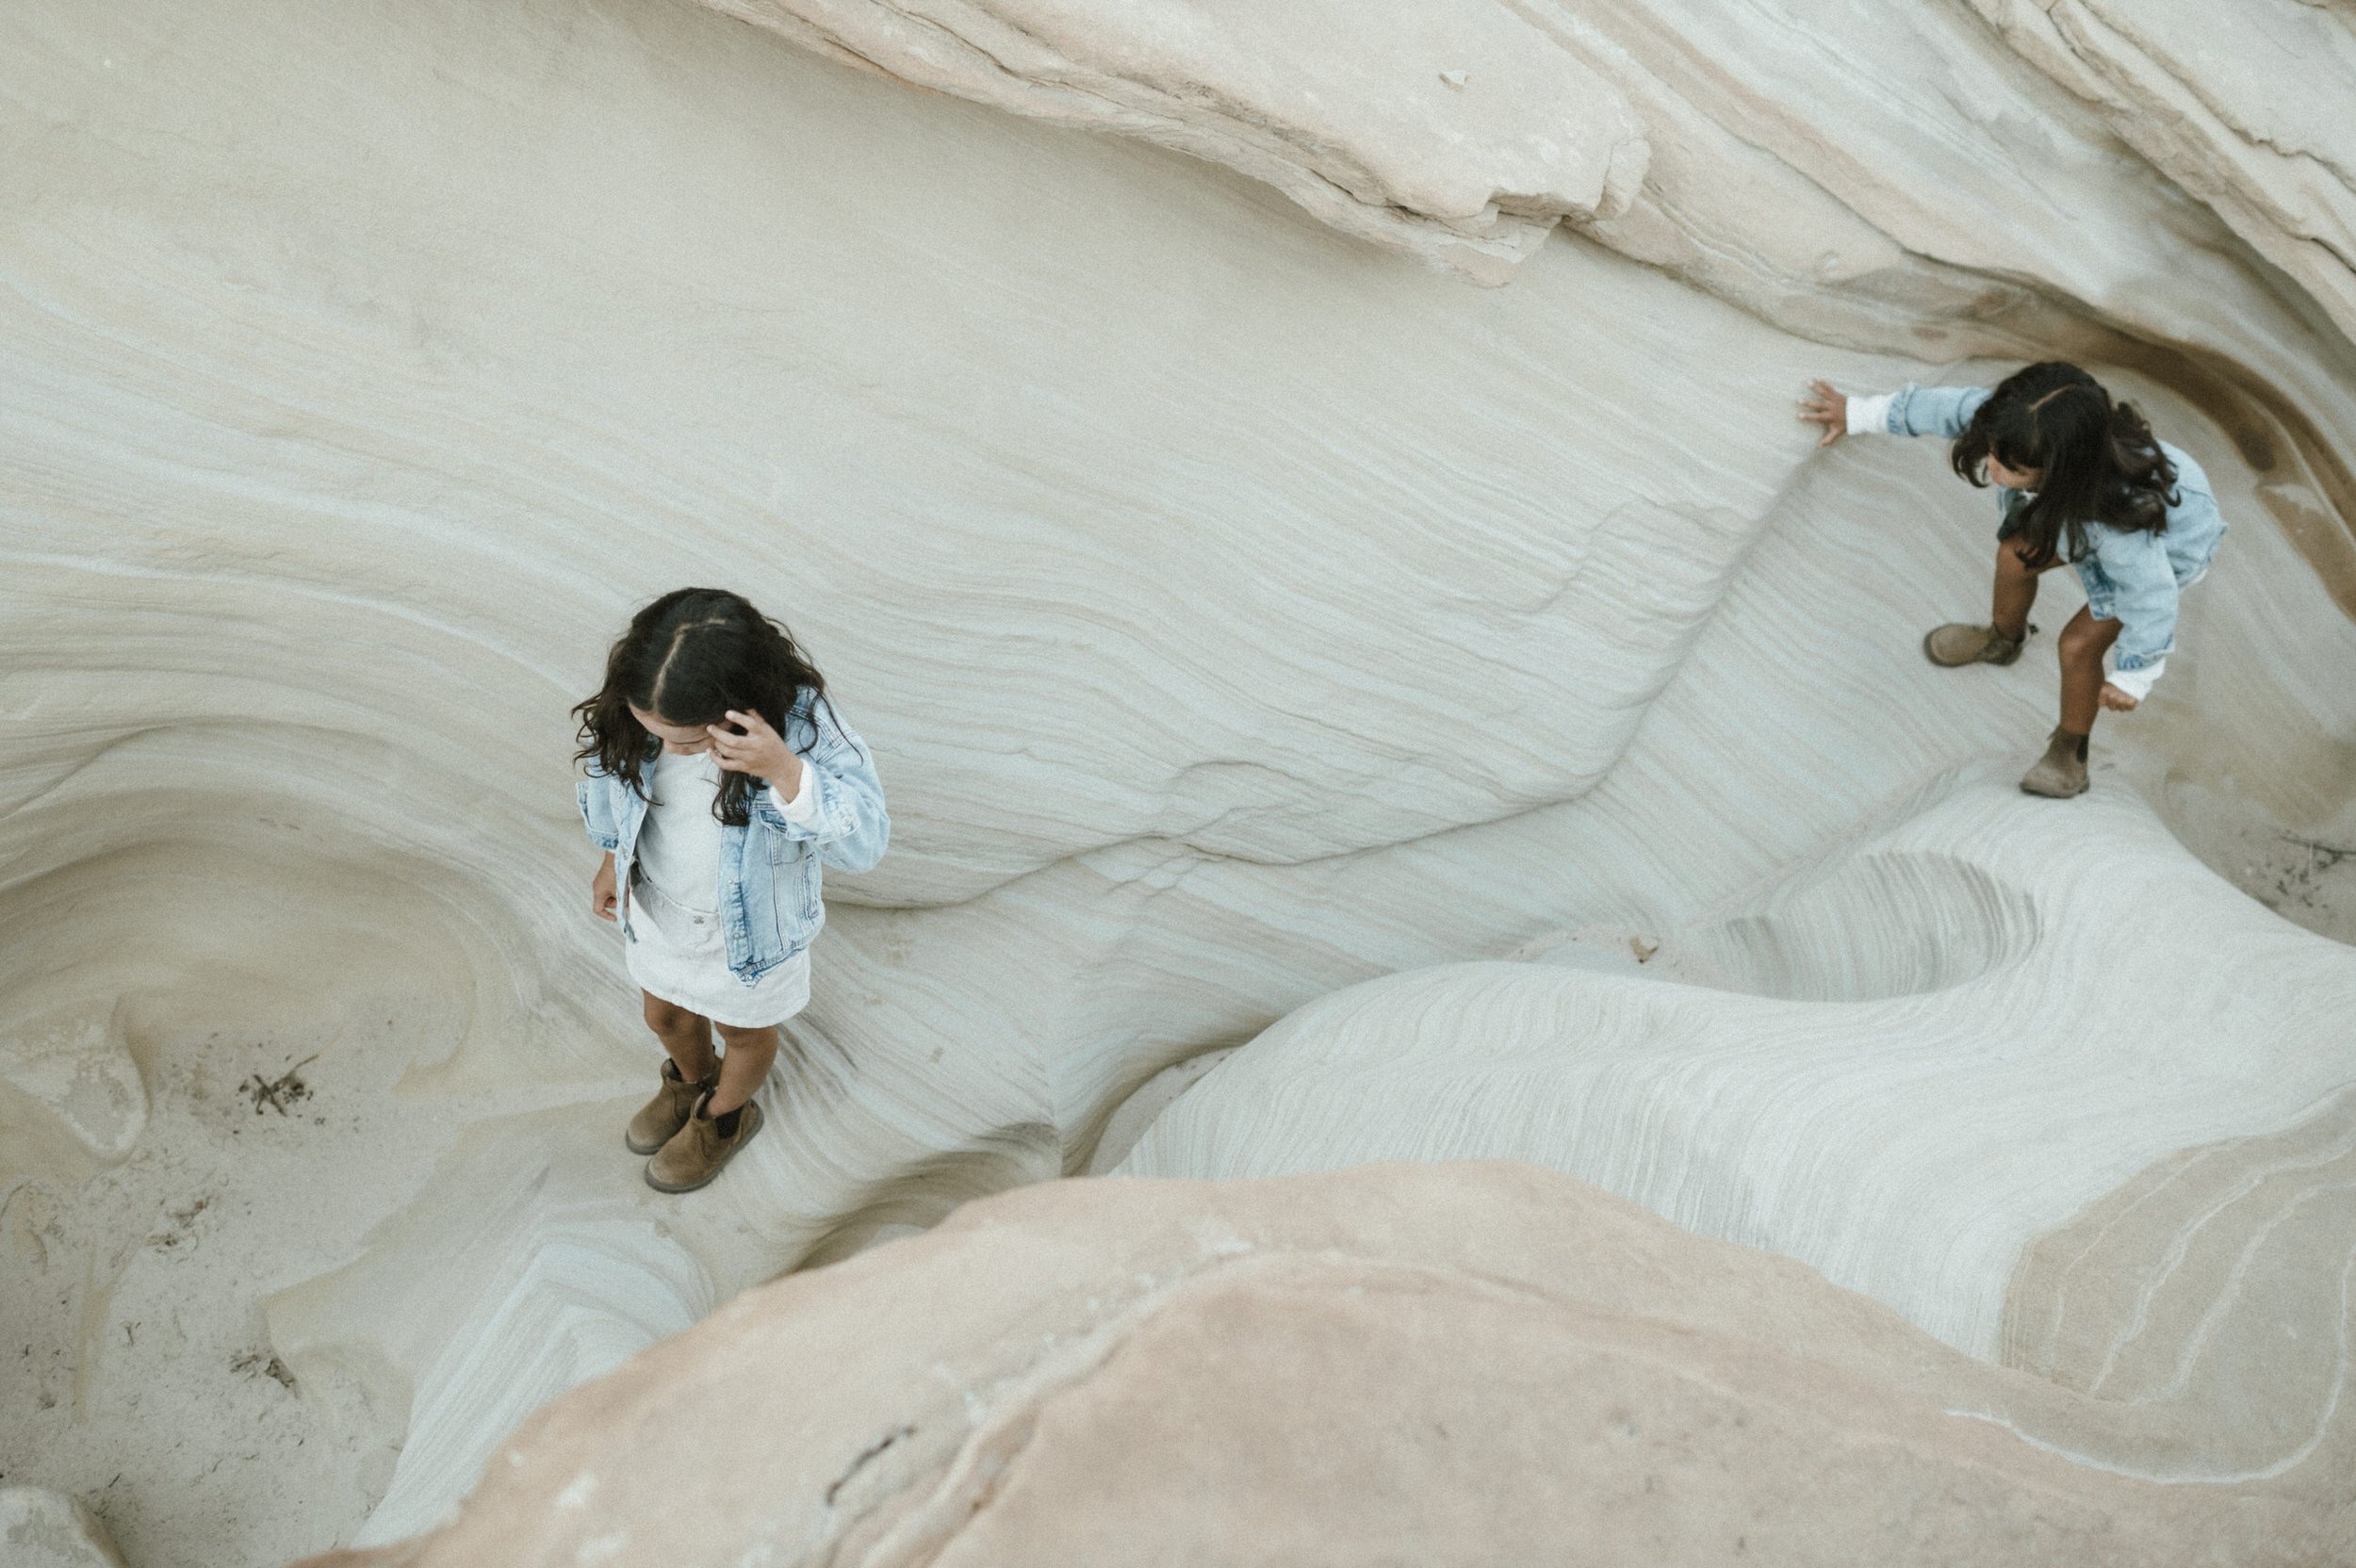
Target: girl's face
678 739
2013 478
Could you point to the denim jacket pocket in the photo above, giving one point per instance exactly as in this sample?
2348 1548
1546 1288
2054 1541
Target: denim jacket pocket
793 873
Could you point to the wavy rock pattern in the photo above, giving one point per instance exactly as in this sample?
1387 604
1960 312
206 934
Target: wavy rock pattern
2201 92
1912 1142
2216 1272
1418 135
1124 1371
576 1274
1240 614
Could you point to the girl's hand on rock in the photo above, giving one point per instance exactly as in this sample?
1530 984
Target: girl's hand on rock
760 751
1823 406
2115 700
601 899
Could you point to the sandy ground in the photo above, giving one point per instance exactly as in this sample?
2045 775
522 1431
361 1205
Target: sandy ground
138 1373
251 1019
2309 878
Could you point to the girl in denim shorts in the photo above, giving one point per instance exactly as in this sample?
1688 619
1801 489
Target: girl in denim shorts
2080 479
721 782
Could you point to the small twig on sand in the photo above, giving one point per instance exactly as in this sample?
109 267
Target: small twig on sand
254 1365
2320 855
285 1089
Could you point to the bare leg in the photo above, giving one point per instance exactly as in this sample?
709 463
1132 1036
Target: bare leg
749 1053
686 1035
2084 642
2016 591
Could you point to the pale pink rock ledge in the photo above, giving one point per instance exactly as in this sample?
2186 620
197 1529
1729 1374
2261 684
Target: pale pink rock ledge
1470 1362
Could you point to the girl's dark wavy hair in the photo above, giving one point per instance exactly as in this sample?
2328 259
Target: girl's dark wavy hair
2096 460
687 659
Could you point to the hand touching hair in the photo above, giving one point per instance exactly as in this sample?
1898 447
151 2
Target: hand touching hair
689 659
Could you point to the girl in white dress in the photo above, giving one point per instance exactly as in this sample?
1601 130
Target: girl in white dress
721 783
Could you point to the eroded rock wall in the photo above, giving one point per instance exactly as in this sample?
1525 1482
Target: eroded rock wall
1240 611
1461 1363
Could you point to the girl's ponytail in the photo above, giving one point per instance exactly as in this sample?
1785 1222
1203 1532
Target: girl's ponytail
2145 472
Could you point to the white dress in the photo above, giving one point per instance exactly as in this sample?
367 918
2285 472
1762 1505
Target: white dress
676 948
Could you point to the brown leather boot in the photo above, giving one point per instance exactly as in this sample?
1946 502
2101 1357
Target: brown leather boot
2062 770
1956 643
696 1154
668 1111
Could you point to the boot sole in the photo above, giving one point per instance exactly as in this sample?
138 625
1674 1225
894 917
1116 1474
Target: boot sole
1975 659
1929 653
1965 663
754 1119
2059 795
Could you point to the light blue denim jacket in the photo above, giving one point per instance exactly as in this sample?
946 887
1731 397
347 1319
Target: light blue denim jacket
769 867
2130 577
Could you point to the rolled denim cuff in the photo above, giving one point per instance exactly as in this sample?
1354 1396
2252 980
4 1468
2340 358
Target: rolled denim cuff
2137 683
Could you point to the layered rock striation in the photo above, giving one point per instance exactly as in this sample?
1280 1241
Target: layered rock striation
1478 709
1455 1364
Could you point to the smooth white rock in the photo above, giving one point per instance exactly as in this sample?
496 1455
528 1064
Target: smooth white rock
1239 612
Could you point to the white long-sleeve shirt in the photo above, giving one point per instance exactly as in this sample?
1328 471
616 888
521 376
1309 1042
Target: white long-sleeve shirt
679 845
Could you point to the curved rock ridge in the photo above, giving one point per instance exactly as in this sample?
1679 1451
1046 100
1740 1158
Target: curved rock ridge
1872 926
547 1271
2235 104
1913 1146
1937 189
1240 614
1450 1364
1419 134
2218 1270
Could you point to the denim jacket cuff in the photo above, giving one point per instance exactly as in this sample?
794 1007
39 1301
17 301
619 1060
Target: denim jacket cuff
2137 681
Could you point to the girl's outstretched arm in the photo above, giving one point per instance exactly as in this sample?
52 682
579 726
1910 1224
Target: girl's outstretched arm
1912 410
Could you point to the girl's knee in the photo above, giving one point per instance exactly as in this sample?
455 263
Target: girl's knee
2087 639
666 1018
732 1036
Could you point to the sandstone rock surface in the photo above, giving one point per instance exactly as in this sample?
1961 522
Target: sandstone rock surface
1411 126
1478 710
1453 1364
